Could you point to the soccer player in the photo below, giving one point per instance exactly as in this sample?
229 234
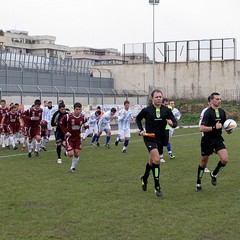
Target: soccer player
156 118
47 116
71 126
14 124
19 135
4 136
212 140
43 134
124 118
32 118
93 126
59 135
168 127
104 125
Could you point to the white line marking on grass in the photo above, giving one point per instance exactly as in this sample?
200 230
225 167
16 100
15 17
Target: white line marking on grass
180 135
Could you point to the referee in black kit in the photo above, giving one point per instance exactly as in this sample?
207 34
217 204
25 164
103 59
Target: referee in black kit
212 140
156 118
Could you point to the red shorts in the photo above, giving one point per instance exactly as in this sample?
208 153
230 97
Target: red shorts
73 143
33 132
13 128
44 133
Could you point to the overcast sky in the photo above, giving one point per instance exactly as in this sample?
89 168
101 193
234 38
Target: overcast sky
111 23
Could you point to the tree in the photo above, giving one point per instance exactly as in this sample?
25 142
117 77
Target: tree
1 32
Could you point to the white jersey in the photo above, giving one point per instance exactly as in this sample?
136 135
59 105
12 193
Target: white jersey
45 113
124 119
201 115
105 119
176 113
93 119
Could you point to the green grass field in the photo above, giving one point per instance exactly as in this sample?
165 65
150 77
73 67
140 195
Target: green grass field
40 199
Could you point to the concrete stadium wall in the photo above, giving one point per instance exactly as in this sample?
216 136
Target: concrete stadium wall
182 80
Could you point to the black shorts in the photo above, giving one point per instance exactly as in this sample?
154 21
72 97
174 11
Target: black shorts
152 143
59 137
209 149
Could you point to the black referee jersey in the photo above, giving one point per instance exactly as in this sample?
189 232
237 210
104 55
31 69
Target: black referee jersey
210 118
155 122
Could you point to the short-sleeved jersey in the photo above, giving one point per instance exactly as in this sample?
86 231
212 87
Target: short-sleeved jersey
32 112
210 118
124 119
93 119
72 124
12 119
105 119
155 120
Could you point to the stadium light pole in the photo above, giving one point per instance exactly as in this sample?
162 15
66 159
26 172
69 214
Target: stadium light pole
153 3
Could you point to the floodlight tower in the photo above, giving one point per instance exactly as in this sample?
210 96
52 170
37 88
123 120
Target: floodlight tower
153 3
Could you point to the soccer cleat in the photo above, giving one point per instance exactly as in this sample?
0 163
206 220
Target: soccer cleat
144 184
59 161
29 155
162 160
124 151
116 142
98 144
72 170
7 146
213 178
107 146
23 148
158 192
44 148
36 153
15 148
171 156
206 170
199 188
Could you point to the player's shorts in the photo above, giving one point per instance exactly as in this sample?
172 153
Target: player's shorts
33 132
49 126
12 128
73 143
59 137
103 127
44 133
209 149
152 143
124 133
93 129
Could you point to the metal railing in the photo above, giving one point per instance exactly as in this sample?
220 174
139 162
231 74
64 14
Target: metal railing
181 51
23 94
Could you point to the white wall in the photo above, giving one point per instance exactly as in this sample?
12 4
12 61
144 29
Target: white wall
181 80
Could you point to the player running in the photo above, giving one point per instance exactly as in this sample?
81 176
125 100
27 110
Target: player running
71 126
124 118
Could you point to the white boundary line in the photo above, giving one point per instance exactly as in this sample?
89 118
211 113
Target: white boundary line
180 135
